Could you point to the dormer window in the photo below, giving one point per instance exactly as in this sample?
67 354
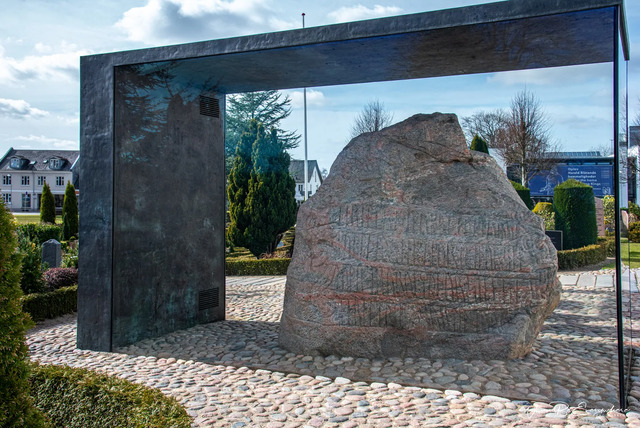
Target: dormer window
18 163
56 163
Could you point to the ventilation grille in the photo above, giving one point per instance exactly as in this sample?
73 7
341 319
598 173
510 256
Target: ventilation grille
209 106
208 299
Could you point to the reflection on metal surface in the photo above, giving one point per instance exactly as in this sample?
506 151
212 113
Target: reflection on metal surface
547 41
169 176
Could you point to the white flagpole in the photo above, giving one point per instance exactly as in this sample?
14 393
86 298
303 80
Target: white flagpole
306 167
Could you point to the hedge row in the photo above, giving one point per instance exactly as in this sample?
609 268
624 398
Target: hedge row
53 304
524 193
257 267
610 245
72 397
585 256
64 300
40 233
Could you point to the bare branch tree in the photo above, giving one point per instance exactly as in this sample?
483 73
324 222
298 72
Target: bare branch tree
488 125
527 142
373 117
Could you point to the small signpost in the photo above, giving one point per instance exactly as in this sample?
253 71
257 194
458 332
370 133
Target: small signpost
556 238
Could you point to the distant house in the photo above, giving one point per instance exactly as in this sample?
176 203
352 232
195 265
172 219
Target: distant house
24 172
296 170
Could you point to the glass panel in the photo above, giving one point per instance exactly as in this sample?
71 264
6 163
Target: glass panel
627 167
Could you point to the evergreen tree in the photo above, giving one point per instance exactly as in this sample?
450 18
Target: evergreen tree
479 145
271 205
16 406
47 206
70 213
239 186
266 107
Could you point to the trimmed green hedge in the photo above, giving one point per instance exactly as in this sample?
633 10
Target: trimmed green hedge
524 193
585 256
257 267
575 210
53 304
40 233
609 243
72 397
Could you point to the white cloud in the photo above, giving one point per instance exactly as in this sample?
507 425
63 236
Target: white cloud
314 98
19 109
167 21
358 12
49 143
63 65
73 119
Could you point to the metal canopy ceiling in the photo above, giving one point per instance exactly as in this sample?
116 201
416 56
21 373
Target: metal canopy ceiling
502 36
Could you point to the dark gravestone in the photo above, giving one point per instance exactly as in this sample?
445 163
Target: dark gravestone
52 253
556 238
416 247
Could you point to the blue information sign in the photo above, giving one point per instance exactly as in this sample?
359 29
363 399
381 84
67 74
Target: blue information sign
600 177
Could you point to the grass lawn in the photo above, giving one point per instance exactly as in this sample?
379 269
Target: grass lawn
33 218
630 253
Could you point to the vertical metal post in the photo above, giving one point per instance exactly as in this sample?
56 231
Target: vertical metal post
306 162
616 178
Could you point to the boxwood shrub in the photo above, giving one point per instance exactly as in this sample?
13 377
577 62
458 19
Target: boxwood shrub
257 267
545 210
42 306
585 256
72 397
575 210
39 233
16 406
609 243
524 193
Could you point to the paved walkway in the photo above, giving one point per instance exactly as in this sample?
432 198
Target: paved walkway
233 373
603 280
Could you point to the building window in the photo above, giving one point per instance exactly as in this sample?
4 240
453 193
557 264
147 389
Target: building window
7 198
41 180
55 163
6 179
25 180
59 181
26 200
18 163
301 189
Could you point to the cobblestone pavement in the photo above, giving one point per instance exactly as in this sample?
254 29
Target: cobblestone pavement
233 373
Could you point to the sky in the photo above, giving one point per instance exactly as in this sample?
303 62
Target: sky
41 42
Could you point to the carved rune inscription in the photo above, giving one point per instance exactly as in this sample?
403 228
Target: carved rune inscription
417 265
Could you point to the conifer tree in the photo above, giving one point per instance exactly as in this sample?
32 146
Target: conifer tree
239 186
266 107
16 406
47 206
271 205
479 145
70 213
